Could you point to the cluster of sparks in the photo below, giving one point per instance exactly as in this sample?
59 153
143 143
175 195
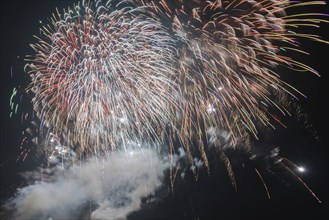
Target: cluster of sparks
165 72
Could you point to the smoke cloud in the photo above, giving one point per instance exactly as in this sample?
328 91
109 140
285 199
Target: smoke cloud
112 187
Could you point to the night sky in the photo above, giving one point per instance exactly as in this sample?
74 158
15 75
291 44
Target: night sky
211 197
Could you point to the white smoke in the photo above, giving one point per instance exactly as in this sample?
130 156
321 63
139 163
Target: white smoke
218 136
114 185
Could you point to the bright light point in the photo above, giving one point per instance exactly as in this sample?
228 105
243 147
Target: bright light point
220 88
211 108
123 120
301 169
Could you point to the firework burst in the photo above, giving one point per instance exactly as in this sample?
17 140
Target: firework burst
187 73
102 78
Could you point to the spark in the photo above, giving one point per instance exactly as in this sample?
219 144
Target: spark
301 169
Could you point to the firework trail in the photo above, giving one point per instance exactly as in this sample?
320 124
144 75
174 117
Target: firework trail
108 76
165 72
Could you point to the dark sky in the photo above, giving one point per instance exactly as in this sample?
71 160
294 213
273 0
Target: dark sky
212 196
